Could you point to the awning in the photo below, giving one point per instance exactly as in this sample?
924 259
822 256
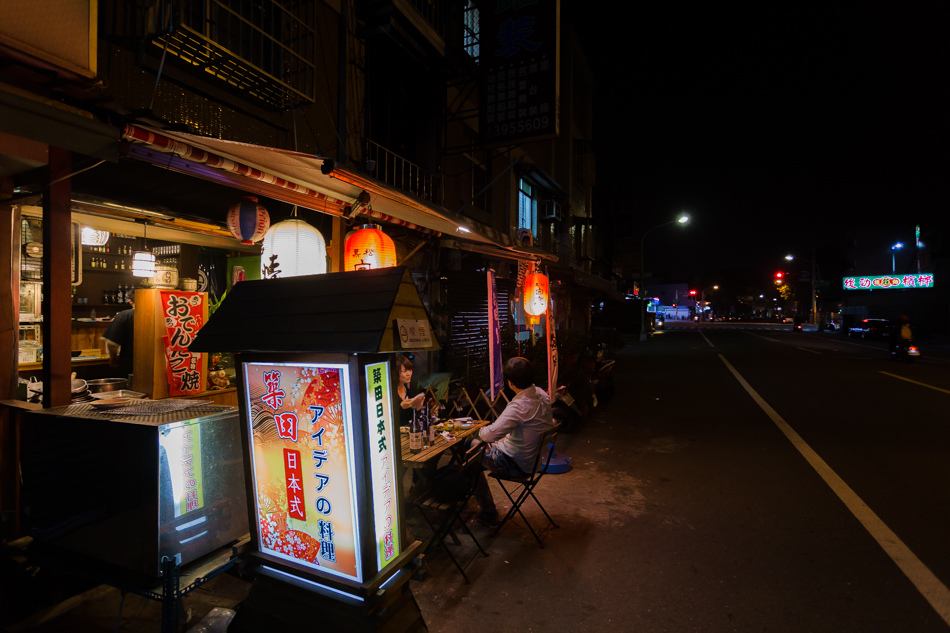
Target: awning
295 178
519 253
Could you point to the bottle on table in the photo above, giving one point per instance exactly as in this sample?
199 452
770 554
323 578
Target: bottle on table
415 433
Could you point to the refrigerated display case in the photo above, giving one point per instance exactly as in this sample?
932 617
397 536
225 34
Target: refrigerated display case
128 487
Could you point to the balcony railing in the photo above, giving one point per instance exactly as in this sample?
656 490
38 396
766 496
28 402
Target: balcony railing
395 170
262 50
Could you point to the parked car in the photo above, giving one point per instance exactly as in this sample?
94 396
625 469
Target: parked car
870 328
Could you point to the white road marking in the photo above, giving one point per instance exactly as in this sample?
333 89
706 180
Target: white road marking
707 340
774 340
930 587
805 349
922 384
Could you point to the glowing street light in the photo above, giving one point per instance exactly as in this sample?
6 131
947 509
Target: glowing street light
895 248
683 218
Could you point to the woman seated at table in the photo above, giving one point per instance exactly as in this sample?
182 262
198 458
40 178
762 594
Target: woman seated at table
407 402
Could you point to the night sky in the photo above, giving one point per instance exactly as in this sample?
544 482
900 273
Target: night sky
776 125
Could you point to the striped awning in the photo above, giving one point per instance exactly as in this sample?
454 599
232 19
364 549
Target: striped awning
297 178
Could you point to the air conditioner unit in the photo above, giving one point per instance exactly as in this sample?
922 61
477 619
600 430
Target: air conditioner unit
550 210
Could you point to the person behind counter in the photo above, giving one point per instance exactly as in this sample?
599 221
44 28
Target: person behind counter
119 338
514 437
406 402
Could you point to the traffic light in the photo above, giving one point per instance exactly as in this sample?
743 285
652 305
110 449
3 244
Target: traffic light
779 275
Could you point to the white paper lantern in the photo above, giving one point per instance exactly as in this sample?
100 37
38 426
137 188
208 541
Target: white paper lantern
292 248
143 264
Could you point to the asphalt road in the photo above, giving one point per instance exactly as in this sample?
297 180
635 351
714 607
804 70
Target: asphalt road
744 478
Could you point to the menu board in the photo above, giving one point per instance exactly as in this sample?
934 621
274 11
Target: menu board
383 458
303 465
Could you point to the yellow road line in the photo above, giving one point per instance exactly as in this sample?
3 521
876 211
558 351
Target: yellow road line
805 349
774 340
926 582
922 384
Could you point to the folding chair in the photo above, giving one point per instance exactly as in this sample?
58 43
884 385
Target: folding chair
524 486
441 515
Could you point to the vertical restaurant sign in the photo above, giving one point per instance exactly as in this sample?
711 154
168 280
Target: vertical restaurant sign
303 465
495 374
184 315
182 446
520 78
382 458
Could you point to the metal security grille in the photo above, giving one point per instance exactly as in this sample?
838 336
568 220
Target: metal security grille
466 295
262 49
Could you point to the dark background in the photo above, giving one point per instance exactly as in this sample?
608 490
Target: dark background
777 126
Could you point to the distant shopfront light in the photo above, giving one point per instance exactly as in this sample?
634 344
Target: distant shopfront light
368 249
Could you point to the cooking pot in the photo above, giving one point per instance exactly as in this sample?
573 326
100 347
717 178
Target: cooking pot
99 385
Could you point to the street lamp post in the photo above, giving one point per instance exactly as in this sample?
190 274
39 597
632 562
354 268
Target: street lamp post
814 278
682 219
703 300
894 250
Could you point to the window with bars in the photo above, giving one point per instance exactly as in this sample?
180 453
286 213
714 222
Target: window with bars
470 35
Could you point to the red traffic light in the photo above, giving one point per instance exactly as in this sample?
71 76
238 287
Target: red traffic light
692 293
779 275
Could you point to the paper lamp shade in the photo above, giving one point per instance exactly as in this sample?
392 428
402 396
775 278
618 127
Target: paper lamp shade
292 248
143 264
535 293
368 249
248 220
93 237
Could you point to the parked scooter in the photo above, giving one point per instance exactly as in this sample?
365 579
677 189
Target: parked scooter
572 402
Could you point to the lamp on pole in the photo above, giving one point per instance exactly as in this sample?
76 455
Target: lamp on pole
894 249
682 219
814 278
703 300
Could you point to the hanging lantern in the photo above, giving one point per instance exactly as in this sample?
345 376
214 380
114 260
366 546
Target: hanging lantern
143 261
368 249
292 248
93 237
535 293
143 264
248 220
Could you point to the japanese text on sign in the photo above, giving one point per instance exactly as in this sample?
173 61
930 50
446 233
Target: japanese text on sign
379 419
303 477
183 313
414 333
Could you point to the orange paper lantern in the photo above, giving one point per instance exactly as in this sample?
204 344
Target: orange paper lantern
368 249
535 293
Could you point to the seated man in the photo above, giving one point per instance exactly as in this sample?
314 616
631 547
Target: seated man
514 437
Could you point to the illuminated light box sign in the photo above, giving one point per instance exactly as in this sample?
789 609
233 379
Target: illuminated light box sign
303 465
888 282
382 462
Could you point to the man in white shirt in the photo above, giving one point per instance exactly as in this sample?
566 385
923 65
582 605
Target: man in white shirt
514 437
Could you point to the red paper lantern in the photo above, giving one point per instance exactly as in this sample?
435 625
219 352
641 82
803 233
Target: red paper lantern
248 220
536 293
369 248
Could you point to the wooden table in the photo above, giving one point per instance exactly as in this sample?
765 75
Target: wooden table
435 450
